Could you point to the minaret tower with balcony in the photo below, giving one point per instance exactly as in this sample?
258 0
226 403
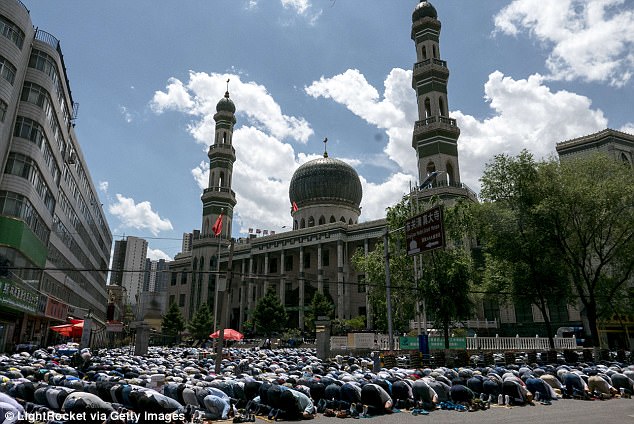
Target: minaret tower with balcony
218 197
435 136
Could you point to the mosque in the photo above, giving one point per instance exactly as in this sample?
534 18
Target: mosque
315 256
325 194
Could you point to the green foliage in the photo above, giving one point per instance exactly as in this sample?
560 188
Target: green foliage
356 324
173 322
445 284
522 260
320 305
551 229
269 315
590 210
202 323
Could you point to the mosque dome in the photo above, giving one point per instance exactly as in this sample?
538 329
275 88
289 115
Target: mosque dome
326 180
424 9
226 104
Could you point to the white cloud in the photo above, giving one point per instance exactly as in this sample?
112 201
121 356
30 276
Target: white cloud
303 8
156 254
590 40
628 128
526 114
139 216
126 114
300 6
395 114
200 95
377 197
103 186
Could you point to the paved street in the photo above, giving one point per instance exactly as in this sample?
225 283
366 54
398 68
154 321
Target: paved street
615 411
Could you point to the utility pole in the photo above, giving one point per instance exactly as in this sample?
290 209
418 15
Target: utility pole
388 289
223 305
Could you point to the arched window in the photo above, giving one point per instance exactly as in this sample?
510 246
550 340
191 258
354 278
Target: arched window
332 219
450 176
294 224
224 137
311 222
221 179
195 263
435 49
342 219
431 167
424 52
625 159
302 223
427 108
202 263
213 179
350 221
441 107
322 220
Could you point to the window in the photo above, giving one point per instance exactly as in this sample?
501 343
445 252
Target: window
174 278
557 311
18 206
361 286
311 222
306 260
322 220
288 264
325 257
12 32
3 110
273 266
181 300
7 70
183 277
172 299
332 219
427 108
491 309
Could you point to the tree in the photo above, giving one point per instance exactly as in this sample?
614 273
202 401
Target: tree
202 323
590 209
445 286
522 261
269 315
173 322
320 305
403 294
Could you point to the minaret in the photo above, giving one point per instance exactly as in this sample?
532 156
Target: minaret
218 197
435 136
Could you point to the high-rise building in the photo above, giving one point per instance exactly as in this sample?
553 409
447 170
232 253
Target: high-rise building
155 279
54 239
187 242
128 266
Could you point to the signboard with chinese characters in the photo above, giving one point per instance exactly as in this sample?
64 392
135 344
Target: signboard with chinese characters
438 343
425 232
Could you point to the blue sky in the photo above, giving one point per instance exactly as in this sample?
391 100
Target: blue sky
147 75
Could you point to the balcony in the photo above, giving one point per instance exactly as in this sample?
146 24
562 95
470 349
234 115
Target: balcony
434 124
223 149
430 61
219 190
443 186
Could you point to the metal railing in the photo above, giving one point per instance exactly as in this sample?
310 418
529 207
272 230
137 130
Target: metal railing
430 61
451 122
381 342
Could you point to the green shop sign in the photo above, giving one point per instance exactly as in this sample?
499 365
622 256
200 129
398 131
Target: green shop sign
438 343
408 343
17 297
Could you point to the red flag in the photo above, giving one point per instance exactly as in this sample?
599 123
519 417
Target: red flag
295 208
217 228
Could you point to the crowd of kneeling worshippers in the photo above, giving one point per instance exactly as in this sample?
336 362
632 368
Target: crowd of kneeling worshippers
283 384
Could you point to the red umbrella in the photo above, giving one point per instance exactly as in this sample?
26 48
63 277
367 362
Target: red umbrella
228 334
73 330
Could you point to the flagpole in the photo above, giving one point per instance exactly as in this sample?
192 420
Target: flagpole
217 278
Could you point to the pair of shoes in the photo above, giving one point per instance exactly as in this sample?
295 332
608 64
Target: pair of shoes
460 408
272 414
329 413
342 414
419 411
244 419
545 402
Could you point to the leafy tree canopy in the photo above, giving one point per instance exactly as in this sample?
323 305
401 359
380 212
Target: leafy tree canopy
202 323
173 322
